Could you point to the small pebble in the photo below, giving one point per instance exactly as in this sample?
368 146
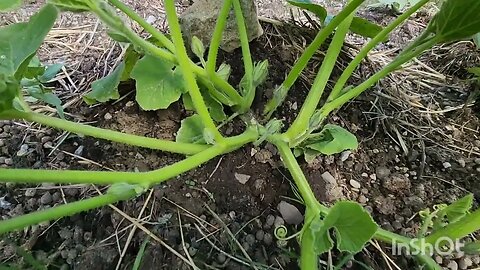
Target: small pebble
192 251
250 239
382 172
345 155
447 165
279 221
46 198
268 239
439 259
477 161
107 116
465 263
23 150
362 199
355 184
30 192
221 258
269 222
9 161
452 265
462 163
259 235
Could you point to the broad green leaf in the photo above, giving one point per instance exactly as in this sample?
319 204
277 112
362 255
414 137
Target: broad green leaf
40 93
7 5
364 27
72 5
9 89
353 226
332 140
316 9
215 108
456 20
191 130
453 212
106 88
20 41
158 85
472 248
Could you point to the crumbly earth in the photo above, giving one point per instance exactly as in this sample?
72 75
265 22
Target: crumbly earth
419 146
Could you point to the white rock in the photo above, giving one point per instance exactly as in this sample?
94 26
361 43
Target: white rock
242 178
355 184
345 155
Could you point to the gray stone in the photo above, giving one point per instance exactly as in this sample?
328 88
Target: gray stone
355 184
199 20
290 213
46 198
242 178
382 172
452 265
332 191
465 263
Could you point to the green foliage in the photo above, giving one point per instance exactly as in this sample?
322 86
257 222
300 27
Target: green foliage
9 89
215 108
158 83
472 248
7 5
197 47
352 224
72 5
476 39
106 88
359 25
452 213
191 130
456 20
331 140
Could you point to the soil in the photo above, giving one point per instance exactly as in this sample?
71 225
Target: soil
408 160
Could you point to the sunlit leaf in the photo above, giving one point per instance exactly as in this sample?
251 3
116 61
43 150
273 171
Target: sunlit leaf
260 72
158 84
72 5
453 212
224 71
332 140
475 71
106 88
191 130
456 20
316 9
7 5
20 41
353 226
364 27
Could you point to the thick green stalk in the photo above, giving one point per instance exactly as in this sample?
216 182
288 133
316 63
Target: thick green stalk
363 53
247 58
69 209
308 256
146 179
397 63
188 75
217 36
302 62
114 136
143 23
300 125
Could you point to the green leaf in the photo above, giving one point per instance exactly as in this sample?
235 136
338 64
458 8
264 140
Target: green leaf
117 36
364 27
215 108
472 248
106 88
40 93
191 130
197 47
50 72
456 20
7 5
318 10
224 71
353 226
158 85
16 49
332 139
475 71
130 58
260 72
453 212
72 5
476 40
9 89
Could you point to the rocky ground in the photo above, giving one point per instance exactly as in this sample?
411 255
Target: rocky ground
419 146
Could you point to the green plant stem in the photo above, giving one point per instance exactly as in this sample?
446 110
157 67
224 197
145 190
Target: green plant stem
398 62
146 179
302 62
217 36
143 23
457 230
308 256
114 136
188 75
300 124
247 58
69 209
363 53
